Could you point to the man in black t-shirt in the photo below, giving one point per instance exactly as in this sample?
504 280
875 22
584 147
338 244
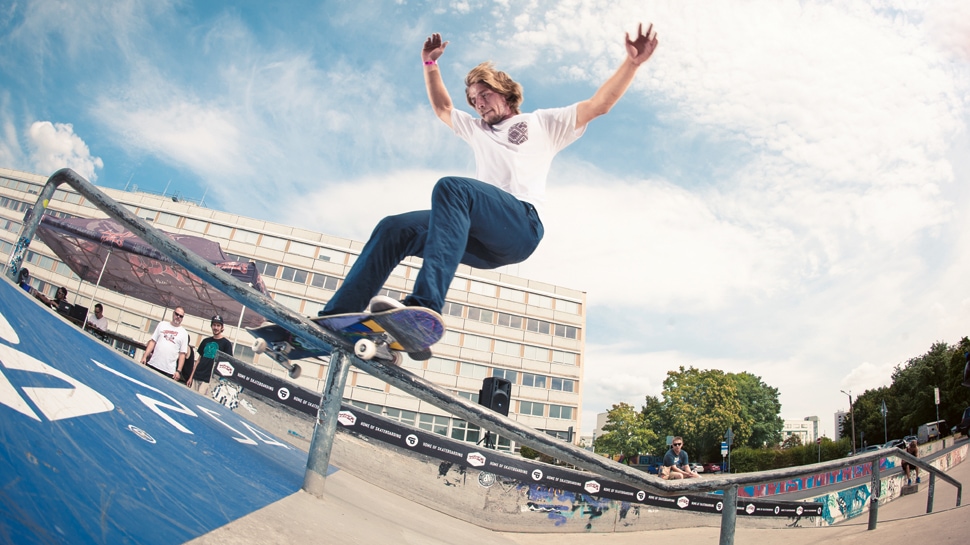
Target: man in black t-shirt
199 380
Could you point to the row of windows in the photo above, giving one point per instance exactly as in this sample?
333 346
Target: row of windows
506 348
13 204
474 370
291 274
19 185
456 428
509 320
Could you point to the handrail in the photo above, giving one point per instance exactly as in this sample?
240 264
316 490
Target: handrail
419 387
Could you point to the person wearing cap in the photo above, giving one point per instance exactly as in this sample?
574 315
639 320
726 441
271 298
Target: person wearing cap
199 379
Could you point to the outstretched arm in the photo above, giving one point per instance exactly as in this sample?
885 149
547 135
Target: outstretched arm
638 51
437 93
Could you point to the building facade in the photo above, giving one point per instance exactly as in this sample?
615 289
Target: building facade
527 332
806 429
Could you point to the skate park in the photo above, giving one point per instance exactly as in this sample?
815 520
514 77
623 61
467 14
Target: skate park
100 449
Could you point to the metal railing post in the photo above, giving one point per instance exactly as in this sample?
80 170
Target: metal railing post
875 489
931 490
729 515
321 445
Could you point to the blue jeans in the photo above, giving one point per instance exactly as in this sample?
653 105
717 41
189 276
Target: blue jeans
470 222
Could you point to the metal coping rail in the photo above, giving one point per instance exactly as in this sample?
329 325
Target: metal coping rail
419 387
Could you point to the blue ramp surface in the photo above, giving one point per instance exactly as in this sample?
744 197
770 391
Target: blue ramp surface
96 448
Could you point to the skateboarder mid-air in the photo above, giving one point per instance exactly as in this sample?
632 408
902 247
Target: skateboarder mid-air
492 220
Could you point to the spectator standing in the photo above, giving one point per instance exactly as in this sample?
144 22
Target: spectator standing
167 348
676 462
199 379
98 320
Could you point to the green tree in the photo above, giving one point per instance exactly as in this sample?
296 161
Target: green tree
791 442
761 422
700 406
625 433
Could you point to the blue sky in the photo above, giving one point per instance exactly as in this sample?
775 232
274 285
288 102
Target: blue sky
783 190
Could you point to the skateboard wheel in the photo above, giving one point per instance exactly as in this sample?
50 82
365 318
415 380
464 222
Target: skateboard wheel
295 371
397 359
365 349
259 346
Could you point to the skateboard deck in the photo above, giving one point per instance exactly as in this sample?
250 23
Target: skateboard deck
371 336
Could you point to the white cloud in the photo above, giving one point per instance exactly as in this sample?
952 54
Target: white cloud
54 146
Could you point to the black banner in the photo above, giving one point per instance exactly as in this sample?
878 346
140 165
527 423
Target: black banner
362 422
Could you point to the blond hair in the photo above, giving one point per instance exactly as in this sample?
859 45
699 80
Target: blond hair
496 80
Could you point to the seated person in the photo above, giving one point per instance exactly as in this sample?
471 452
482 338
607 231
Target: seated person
59 302
98 320
23 280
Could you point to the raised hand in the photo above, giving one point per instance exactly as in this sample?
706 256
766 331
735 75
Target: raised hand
433 48
642 47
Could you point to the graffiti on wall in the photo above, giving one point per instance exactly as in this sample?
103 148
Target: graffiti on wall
561 506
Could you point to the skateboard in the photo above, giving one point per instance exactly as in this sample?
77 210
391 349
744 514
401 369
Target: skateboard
382 336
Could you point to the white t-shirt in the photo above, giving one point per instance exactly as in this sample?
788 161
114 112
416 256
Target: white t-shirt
515 155
100 323
170 341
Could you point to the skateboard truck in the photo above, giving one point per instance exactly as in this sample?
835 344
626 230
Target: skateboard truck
279 351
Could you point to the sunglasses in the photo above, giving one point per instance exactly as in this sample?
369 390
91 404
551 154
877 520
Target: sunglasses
177 315
678 444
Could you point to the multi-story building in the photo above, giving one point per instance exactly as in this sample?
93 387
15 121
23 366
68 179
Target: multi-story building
527 332
806 429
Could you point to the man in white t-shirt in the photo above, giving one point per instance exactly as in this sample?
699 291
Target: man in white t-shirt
167 348
97 318
492 220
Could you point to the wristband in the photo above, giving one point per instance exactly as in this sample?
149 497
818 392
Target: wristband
430 63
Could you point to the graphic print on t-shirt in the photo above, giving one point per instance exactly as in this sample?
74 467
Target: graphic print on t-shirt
519 133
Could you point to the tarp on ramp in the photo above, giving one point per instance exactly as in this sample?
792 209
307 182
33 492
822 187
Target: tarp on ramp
95 448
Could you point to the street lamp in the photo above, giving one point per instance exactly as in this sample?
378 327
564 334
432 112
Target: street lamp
852 418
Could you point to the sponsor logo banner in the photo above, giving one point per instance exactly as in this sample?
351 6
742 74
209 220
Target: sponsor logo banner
373 426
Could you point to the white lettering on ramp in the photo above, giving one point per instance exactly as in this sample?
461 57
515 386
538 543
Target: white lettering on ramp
54 403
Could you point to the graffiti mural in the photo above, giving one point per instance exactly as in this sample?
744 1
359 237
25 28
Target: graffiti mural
561 506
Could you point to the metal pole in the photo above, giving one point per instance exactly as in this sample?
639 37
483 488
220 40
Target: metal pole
321 445
930 491
875 488
729 515
98 283
852 418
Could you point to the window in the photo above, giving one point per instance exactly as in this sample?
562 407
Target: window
535 353
560 411
406 417
509 294
532 408
294 275
324 281
196 226
221 231
562 384
477 343
566 331
326 254
464 431
470 396
481 288
246 237
267 269
441 365
434 424
481 315
507 348
540 301
273 243
565 358
452 309
507 374
451 337
292 303
535 381
299 248
165 218
537 326
509 320
243 352
567 306
472 370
